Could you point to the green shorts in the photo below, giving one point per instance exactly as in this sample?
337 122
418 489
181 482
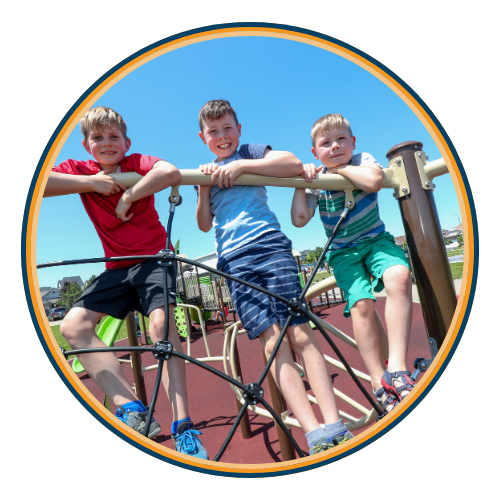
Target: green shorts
353 266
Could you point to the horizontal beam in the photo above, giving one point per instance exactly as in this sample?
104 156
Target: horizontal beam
333 182
436 168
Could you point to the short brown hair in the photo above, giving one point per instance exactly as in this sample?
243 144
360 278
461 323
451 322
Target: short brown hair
213 110
100 118
327 123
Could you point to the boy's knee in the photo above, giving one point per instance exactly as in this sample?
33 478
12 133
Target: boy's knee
157 323
269 343
75 326
363 307
300 337
398 277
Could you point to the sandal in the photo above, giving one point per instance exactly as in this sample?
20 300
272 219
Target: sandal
404 378
390 399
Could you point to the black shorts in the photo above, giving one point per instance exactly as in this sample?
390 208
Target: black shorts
116 292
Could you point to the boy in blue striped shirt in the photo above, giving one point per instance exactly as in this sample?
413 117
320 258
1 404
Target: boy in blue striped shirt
251 246
361 249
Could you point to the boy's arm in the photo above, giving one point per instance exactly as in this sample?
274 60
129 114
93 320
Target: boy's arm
301 212
60 184
273 164
367 178
204 215
161 176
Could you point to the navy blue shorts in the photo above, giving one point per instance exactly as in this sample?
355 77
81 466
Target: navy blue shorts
116 292
268 263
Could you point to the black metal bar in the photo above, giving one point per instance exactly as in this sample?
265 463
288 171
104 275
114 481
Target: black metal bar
169 259
325 249
231 432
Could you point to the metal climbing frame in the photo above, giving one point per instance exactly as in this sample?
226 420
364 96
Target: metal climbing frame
252 394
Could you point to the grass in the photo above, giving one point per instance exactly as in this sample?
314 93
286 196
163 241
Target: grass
451 253
457 269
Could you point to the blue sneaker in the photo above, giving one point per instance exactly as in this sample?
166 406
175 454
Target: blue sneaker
134 414
187 442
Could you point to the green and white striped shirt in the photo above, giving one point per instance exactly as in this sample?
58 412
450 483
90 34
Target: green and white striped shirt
363 222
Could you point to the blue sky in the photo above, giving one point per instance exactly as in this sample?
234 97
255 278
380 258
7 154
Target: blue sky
278 88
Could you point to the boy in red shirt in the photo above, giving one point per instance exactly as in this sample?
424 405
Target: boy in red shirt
127 224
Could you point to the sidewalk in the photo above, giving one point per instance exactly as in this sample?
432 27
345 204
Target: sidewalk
458 284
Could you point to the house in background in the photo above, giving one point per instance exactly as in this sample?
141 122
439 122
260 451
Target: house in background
69 279
400 240
50 296
452 235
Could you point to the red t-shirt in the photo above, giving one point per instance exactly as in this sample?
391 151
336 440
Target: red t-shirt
143 234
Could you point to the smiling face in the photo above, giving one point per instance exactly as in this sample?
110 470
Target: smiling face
334 147
222 136
107 146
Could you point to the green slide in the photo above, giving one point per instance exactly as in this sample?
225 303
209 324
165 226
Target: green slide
108 331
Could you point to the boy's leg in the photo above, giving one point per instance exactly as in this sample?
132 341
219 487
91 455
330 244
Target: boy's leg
387 261
288 378
304 343
78 328
290 384
368 340
398 315
174 377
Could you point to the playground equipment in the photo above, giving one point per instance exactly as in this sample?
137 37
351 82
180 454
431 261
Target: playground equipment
203 291
411 178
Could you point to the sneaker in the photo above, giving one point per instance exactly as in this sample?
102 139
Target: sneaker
325 444
340 438
187 442
320 445
136 419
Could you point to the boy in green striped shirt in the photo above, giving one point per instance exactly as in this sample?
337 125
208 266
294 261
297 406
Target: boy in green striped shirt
361 249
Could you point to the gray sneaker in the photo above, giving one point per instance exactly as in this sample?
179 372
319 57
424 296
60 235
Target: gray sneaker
137 421
325 444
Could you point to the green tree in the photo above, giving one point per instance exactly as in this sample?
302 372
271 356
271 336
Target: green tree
70 294
176 248
310 258
460 240
314 255
89 282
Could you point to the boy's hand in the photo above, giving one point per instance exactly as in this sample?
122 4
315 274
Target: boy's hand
310 171
227 174
122 208
106 185
208 169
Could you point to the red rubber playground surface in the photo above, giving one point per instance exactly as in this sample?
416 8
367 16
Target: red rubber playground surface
213 404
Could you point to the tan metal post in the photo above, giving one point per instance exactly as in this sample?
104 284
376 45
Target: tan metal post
186 311
221 303
425 240
304 278
140 386
246 431
202 318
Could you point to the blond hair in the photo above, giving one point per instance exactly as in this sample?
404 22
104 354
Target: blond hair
100 118
213 110
327 123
